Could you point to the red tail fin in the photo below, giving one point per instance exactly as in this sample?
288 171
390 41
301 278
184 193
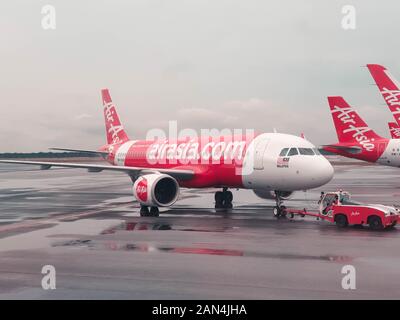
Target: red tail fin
350 128
114 130
389 88
394 129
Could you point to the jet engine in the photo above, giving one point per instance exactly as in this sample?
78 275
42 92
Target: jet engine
268 194
156 190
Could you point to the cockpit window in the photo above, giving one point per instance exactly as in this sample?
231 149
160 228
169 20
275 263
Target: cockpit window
306 151
293 152
283 152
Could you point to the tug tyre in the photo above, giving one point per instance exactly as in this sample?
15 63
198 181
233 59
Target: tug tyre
341 221
375 223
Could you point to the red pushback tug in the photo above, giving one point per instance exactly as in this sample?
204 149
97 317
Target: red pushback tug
339 208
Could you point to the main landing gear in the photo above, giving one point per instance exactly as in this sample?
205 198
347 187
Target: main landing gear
279 209
223 199
145 212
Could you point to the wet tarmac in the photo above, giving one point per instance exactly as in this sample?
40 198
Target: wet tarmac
88 227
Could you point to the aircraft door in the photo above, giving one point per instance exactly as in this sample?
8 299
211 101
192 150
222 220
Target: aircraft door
259 151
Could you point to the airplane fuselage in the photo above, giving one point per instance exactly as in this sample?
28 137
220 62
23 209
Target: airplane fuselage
236 162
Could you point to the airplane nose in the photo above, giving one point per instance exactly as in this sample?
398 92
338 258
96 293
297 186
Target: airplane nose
324 171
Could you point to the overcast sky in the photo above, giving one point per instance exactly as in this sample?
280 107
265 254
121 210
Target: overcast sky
206 63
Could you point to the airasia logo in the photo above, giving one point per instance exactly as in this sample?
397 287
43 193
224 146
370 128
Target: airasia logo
141 190
358 133
114 130
395 132
391 97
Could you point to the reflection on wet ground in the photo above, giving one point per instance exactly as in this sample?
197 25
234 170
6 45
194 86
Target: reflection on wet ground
141 226
148 248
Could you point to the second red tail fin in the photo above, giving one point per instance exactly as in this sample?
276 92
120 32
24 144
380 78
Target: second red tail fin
350 127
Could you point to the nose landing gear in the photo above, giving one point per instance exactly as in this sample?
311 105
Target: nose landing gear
223 199
279 209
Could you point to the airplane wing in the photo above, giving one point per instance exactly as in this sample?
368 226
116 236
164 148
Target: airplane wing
100 153
350 149
132 171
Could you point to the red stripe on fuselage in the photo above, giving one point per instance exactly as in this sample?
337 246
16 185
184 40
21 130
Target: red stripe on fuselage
215 161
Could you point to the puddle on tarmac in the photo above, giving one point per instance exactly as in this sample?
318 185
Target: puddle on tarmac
151 248
143 226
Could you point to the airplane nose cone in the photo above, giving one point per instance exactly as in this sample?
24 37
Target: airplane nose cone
323 171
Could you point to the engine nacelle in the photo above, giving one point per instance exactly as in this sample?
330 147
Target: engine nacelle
157 190
268 194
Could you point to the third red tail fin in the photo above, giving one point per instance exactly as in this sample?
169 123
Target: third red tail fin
350 127
389 88
394 129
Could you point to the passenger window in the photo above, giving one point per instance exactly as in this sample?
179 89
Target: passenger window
283 152
306 151
293 152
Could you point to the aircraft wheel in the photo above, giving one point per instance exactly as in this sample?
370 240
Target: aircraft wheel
228 197
279 212
144 211
219 200
154 212
223 199
228 205
283 212
219 196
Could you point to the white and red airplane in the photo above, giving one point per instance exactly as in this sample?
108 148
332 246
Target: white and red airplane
272 164
357 140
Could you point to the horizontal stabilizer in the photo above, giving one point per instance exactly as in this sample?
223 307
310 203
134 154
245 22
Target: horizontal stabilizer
349 149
